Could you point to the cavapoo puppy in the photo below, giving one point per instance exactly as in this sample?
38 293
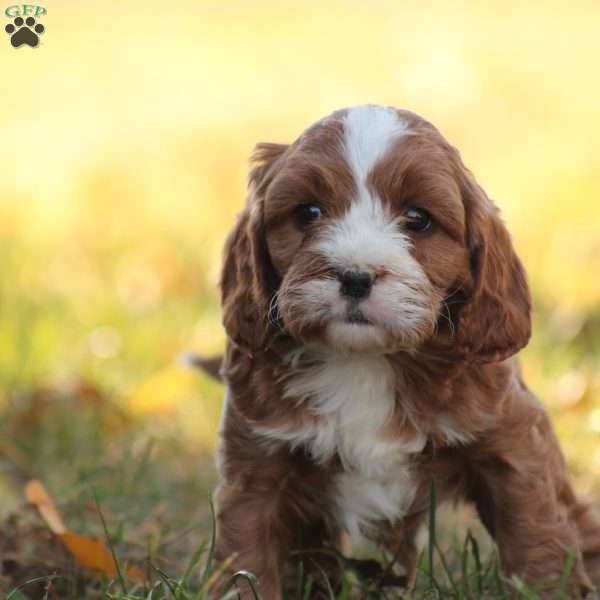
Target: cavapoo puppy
373 304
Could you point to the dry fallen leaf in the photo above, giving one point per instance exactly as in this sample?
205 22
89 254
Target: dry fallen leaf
37 495
89 552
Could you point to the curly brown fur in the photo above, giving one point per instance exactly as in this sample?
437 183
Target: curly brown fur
343 407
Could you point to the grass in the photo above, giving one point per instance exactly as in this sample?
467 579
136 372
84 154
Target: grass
459 573
148 497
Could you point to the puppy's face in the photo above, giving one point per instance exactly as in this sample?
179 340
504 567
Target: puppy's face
365 226
369 234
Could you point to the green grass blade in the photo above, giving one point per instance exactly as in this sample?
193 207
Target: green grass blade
447 571
568 569
211 549
328 587
307 588
110 545
166 579
156 586
431 543
193 562
464 567
250 579
523 589
472 542
13 593
498 576
142 465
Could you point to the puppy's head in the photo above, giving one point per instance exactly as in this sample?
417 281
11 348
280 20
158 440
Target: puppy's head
368 234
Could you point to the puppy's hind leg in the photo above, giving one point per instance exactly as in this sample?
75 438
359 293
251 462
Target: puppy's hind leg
400 543
587 519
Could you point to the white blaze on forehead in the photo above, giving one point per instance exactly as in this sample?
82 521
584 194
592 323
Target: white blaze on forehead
367 235
368 132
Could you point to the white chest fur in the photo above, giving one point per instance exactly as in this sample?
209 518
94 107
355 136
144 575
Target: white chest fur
349 399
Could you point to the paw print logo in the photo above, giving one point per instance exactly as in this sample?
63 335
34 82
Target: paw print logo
24 32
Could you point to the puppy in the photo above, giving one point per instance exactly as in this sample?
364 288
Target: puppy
373 305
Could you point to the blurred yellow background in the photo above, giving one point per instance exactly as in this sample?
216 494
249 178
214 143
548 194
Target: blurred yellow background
125 138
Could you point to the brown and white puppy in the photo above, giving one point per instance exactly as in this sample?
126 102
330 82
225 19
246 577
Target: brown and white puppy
373 301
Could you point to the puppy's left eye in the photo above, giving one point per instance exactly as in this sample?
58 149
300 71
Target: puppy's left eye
306 214
417 219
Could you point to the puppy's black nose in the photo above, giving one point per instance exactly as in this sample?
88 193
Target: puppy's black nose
355 284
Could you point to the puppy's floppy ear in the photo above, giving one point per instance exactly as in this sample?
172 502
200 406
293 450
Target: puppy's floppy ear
495 321
248 280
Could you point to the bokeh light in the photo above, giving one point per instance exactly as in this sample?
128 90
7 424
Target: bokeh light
126 135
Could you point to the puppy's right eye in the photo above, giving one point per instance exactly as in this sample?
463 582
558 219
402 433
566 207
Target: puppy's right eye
305 214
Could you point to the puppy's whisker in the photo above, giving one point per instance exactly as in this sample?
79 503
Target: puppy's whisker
434 357
448 317
274 315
